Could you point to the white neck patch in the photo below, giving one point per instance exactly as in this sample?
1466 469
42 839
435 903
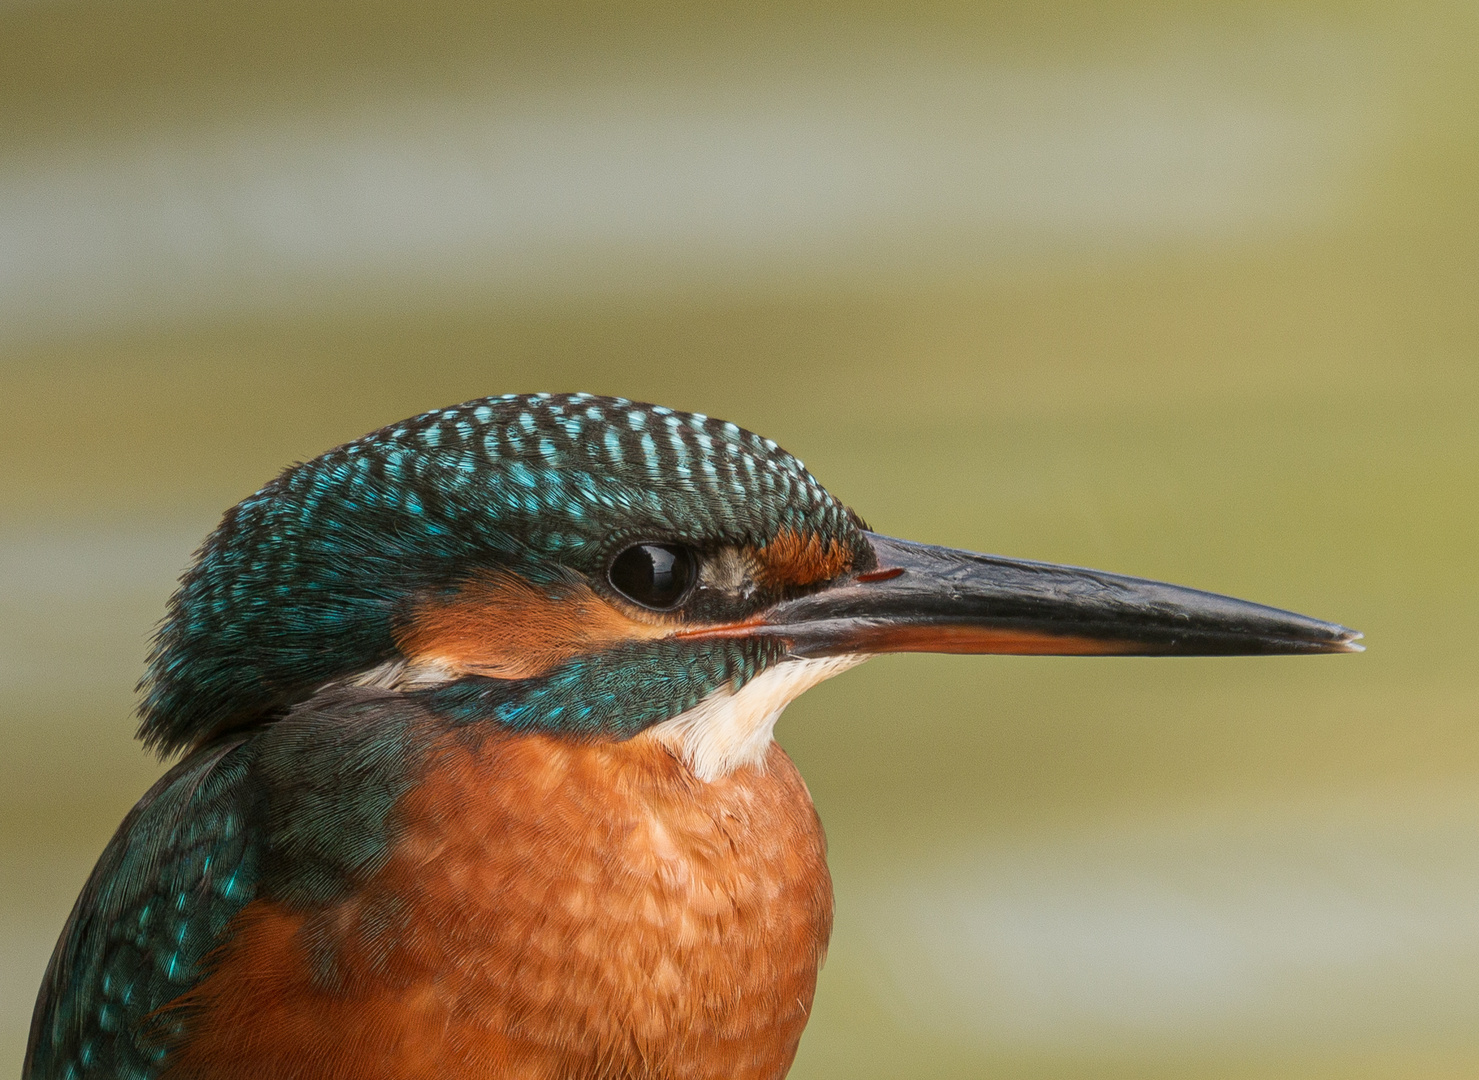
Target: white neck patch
730 729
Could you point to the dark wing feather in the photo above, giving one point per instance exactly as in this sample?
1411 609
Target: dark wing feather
184 861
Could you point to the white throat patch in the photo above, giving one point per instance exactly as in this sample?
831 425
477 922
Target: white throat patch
729 729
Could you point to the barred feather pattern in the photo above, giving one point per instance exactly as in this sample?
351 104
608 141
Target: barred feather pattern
303 580
297 812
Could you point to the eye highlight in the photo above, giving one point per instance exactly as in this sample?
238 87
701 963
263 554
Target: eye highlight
654 575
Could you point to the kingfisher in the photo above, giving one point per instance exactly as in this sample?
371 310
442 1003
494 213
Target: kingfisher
476 771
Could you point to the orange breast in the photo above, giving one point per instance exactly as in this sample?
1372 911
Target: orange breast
549 910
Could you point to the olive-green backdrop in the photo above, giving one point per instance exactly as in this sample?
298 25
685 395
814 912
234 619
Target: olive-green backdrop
1188 291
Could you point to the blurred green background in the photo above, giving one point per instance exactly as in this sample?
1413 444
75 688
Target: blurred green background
1188 291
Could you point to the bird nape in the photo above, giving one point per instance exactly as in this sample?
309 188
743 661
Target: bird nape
476 772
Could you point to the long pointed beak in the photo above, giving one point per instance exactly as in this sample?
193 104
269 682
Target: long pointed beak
922 598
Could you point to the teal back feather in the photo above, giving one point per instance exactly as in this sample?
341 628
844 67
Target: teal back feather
297 813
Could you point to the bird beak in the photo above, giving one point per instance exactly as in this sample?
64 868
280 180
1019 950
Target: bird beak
921 598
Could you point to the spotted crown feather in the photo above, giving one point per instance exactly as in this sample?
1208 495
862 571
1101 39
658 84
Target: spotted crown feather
302 581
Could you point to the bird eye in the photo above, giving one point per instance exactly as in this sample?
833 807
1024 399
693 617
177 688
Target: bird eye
653 575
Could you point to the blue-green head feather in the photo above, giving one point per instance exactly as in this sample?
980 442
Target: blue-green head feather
303 582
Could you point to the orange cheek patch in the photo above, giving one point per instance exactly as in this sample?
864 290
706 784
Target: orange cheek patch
503 627
794 558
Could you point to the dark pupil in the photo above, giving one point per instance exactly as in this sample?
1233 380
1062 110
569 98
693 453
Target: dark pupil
654 575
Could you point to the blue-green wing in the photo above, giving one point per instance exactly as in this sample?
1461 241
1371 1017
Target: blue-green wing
183 862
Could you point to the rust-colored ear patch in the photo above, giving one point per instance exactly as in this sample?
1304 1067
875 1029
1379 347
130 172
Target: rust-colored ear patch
503 627
794 558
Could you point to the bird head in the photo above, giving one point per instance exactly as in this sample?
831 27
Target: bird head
591 567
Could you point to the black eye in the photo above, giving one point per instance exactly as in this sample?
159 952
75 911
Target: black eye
653 575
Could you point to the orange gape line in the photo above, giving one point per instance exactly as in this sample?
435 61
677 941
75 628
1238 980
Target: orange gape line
793 558
504 627
983 639
551 911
